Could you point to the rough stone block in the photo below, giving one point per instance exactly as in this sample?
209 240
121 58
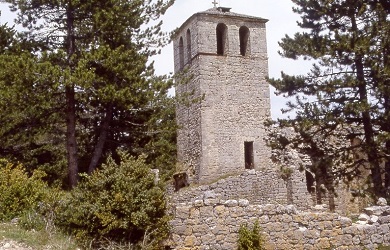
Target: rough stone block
194 213
231 203
190 241
208 239
384 219
356 240
377 239
198 203
374 210
210 202
364 217
381 202
182 212
243 202
345 222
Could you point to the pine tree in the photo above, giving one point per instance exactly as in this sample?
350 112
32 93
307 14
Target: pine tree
99 50
346 94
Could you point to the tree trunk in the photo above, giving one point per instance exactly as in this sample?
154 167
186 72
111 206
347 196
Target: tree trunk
387 146
102 139
372 154
71 142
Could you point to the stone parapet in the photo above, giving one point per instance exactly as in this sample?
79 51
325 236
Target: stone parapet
214 223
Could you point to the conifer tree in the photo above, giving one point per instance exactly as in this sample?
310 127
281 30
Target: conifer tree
104 91
346 94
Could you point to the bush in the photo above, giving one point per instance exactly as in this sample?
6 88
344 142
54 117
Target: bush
250 239
19 192
119 202
43 216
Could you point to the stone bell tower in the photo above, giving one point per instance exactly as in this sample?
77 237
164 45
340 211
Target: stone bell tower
221 67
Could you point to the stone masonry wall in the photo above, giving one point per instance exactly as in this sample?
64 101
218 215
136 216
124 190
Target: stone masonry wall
214 224
232 92
259 187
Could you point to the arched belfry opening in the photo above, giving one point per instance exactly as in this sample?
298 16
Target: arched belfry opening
221 39
189 49
181 53
244 40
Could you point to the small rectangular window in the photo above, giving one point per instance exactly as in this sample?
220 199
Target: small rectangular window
249 161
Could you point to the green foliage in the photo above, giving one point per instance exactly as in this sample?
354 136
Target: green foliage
43 216
76 96
119 202
250 239
346 95
19 192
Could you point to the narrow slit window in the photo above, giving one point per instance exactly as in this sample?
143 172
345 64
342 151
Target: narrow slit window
221 39
244 38
189 45
249 159
181 53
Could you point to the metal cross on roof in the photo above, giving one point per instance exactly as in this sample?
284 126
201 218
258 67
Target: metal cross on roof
215 3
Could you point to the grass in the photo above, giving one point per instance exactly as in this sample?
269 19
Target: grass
37 240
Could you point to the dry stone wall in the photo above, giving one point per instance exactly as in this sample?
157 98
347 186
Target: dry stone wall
258 187
214 224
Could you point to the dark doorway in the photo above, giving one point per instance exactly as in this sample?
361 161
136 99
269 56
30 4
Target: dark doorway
249 161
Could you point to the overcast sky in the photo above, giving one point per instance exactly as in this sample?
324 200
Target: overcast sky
281 21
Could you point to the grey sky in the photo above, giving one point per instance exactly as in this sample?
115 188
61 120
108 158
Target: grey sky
281 21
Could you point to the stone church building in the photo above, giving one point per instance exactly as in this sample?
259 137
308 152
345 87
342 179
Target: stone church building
224 56
225 177
221 65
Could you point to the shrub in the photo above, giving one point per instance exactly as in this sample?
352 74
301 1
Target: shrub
250 239
42 217
19 192
119 202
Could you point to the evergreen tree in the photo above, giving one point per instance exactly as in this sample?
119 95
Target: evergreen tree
346 94
103 92
30 131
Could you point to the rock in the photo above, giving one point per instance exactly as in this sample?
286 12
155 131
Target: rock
374 210
251 172
7 246
319 207
15 220
231 203
198 203
345 222
210 202
291 209
382 202
243 202
360 222
374 219
209 195
364 217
